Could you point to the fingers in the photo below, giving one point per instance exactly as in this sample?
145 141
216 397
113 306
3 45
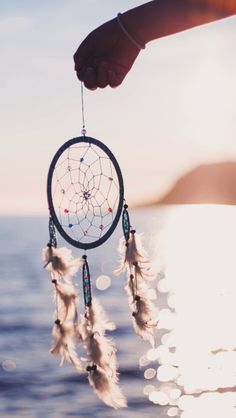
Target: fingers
114 79
89 78
101 75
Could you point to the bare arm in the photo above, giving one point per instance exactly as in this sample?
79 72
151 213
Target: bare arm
107 54
161 18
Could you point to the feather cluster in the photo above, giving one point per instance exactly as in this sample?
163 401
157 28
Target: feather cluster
101 353
105 388
66 297
65 344
65 330
134 262
67 333
60 262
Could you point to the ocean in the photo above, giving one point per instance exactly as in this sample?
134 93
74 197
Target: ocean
193 370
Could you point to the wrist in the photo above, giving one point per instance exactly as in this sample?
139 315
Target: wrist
132 26
140 21
132 38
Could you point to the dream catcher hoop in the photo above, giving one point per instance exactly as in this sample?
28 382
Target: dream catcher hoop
85 194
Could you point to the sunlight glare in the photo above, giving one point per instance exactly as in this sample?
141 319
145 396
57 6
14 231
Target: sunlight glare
197 354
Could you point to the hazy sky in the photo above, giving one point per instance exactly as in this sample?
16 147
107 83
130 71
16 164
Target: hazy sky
175 110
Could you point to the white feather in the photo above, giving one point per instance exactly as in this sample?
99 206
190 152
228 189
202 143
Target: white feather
134 260
63 336
144 329
131 288
122 249
145 308
135 251
99 349
98 318
60 262
132 253
143 270
66 297
144 317
107 390
85 328
102 352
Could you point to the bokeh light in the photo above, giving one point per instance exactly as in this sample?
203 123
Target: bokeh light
8 365
167 373
149 373
172 412
159 398
103 282
148 389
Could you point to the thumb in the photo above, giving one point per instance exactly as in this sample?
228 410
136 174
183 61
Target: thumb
115 78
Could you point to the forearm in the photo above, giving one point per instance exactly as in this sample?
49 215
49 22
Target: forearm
107 54
161 18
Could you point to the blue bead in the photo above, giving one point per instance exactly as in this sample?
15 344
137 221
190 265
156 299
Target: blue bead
70 225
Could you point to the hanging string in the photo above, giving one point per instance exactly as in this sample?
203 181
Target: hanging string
82 107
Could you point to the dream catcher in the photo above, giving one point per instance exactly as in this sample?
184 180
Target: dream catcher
86 196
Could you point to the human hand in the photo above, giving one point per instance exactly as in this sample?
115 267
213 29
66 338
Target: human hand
105 56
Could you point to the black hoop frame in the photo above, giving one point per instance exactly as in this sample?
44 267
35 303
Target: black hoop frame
73 141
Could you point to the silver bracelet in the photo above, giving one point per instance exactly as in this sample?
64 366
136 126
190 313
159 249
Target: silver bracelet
124 30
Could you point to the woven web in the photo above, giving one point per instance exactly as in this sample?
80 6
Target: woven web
85 190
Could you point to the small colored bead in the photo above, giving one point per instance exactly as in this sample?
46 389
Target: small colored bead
86 195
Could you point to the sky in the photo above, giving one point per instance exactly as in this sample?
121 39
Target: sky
175 110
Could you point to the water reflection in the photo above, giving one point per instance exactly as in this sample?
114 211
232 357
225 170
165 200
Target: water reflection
196 373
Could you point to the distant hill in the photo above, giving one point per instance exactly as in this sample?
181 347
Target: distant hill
209 183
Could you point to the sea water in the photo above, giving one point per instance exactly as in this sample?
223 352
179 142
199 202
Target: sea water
190 374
